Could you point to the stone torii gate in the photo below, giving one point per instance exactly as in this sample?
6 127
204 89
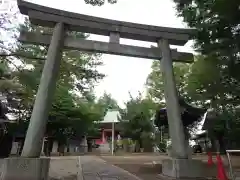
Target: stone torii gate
63 21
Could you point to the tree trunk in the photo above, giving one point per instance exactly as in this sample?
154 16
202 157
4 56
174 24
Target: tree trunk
221 142
213 145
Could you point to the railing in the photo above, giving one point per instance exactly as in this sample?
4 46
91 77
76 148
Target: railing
230 162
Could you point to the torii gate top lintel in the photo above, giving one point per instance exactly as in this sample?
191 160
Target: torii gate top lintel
46 16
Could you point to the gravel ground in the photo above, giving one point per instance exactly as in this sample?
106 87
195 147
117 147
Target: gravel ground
91 168
94 168
67 167
143 167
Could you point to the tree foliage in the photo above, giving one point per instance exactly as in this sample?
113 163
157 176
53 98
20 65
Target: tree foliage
214 76
75 107
136 118
217 37
154 82
107 102
73 113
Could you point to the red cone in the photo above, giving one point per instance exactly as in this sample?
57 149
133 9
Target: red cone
210 160
221 174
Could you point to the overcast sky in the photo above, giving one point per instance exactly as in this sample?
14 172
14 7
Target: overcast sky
124 74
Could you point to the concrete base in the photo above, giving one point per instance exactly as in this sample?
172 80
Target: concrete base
182 168
172 154
25 168
158 165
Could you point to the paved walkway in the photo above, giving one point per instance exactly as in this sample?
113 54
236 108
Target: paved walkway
94 168
63 168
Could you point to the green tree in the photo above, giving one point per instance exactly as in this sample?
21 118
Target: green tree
107 102
136 118
217 37
187 83
77 71
69 117
155 85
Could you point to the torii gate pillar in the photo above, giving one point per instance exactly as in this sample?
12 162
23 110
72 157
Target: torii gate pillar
30 166
179 166
43 101
172 103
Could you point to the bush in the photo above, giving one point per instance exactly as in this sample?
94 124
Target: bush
147 142
162 146
125 145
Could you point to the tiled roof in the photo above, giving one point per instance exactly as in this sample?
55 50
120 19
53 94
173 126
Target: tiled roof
111 116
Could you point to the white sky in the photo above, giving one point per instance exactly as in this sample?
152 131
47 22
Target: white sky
124 74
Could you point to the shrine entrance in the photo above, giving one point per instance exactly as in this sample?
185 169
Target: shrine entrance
63 21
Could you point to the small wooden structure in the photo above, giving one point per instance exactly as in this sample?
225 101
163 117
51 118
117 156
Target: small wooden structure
109 126
212 139
189 114
202 140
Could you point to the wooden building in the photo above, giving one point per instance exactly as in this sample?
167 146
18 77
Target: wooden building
189 115
110 130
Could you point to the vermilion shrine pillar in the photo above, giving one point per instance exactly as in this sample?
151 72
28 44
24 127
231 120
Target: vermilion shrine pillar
103 136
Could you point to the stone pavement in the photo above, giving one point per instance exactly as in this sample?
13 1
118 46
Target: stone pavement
63 167
85 168
94 168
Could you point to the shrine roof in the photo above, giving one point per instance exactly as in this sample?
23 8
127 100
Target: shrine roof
111 116
189 114
210 119
200 135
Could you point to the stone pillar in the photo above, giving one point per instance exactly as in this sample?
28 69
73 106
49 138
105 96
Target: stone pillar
14 148
35 133
15 168
179 166
55 147
172 102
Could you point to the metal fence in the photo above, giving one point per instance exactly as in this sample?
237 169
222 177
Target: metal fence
231 170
